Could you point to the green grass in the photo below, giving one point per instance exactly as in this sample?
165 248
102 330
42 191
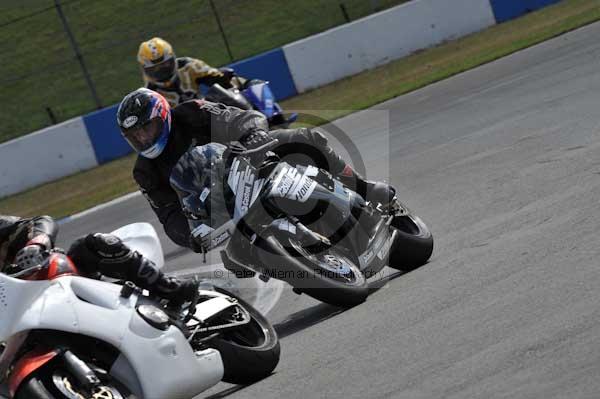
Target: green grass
40 70
109 181
438 63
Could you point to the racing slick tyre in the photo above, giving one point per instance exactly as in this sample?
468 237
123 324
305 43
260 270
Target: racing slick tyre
250 353
413 245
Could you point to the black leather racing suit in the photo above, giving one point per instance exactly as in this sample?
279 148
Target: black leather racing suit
95 254
199 122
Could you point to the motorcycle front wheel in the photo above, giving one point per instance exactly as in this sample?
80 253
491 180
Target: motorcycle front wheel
333 278
54 382
250 352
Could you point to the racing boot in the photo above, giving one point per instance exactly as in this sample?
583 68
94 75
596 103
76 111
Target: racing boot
377 192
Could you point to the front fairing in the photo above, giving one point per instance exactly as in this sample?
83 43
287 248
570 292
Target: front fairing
215 205
198 180
21 302
43 305
157 362
69 304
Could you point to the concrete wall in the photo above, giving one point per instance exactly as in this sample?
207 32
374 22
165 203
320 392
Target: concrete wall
383 37
45 155
94 139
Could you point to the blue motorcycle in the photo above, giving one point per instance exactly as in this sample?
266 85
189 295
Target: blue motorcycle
256 95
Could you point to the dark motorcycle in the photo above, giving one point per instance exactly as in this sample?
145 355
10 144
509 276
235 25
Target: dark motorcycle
294 223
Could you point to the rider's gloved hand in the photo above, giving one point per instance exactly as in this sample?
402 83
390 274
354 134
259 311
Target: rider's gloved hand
96 248
255 139
107 246
175 290
29 256
198 244
104 253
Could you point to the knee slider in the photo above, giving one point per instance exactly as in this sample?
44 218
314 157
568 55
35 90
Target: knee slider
317 137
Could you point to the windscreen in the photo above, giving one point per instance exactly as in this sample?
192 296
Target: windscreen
198 180
218 94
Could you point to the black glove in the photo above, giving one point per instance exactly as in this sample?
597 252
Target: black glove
196 244
256 139
175 290
104 253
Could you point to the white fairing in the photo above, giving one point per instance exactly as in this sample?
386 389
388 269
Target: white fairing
142 237
16 298
153 363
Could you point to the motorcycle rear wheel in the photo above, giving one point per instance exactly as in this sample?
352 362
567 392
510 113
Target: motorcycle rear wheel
414 243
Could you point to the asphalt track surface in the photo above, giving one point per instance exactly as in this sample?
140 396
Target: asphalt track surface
502 163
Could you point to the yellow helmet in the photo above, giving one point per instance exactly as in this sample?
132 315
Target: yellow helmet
158 60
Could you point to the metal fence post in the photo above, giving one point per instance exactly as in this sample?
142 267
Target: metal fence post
374 6
344 12
221 29
51 115
78 55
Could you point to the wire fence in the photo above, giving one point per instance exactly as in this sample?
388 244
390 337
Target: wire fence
64 58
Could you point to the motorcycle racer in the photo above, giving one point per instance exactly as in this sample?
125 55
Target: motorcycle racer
25 242
161 135
178 79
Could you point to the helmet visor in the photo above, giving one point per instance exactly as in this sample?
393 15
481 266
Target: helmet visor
143 137
161 72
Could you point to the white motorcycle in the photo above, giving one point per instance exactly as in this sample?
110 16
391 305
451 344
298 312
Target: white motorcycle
63 336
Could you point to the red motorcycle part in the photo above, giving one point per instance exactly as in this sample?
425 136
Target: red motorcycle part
26 365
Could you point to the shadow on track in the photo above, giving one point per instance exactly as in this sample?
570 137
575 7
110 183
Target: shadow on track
316 314
306 318
226 392
376 285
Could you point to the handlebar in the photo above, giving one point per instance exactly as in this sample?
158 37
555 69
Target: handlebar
265 147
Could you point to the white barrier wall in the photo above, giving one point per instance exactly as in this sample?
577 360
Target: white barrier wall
65 149
45 155
383 37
